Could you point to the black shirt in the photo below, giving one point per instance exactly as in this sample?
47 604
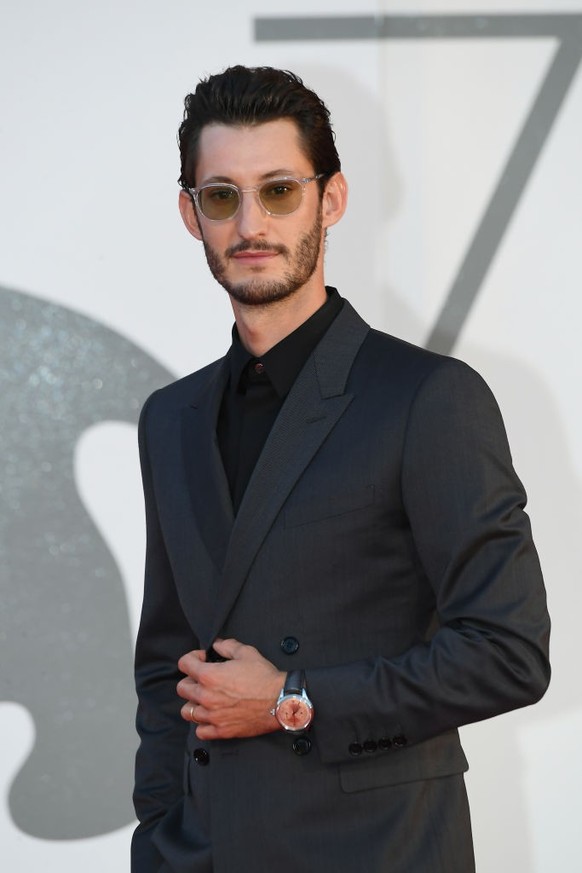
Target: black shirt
256 390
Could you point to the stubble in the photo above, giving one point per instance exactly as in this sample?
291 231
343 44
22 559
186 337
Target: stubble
301 265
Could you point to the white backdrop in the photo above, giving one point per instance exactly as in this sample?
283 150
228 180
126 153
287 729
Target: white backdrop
91 97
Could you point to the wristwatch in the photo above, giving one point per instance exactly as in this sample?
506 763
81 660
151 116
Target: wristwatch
294 709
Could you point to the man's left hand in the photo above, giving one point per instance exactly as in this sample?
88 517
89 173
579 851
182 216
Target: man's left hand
232 698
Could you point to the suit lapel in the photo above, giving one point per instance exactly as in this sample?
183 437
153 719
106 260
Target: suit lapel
207 483
314 405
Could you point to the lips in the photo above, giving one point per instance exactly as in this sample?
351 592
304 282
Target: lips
254 256
255 250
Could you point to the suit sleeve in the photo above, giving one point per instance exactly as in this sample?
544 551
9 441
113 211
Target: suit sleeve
164 635
465 506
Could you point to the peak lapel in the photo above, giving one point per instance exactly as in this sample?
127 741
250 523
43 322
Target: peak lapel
207 483
312 408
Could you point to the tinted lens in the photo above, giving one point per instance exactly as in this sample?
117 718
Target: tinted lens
218 202
281 196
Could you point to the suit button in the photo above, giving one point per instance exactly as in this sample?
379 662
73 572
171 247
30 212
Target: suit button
384 743
399 742
370 746
289 645
355 749
301 746
201 757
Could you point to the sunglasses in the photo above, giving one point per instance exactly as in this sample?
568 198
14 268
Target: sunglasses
220 201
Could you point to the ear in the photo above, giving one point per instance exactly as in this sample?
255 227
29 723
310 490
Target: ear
335 199
189 214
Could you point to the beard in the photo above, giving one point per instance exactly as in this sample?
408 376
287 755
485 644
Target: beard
301 265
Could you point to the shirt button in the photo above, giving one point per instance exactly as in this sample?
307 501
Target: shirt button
201 757
399 742
289 645
370 746
301 746
355 749
259 368
384 743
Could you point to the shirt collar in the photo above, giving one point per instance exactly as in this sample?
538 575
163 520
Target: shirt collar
283 362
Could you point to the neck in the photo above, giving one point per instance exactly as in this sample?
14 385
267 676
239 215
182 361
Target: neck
262 327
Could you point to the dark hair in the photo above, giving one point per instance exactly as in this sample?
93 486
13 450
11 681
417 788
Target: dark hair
253 95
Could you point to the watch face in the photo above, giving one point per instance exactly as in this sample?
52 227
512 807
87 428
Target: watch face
294 713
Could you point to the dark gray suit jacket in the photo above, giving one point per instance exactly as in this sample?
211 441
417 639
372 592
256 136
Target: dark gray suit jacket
382 530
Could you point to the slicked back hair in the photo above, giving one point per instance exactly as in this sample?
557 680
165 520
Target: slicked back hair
245 96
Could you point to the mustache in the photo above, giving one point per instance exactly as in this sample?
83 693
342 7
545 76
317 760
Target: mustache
258 245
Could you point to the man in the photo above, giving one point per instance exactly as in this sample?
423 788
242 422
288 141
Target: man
339 569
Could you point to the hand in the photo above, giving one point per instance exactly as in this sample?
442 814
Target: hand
232 698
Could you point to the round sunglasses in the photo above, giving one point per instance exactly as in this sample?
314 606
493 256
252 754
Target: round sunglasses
220 201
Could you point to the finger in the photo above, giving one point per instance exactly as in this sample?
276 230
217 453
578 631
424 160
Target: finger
214 730
189 712
212 725
191 662
231 648
186 688
194 692
208 732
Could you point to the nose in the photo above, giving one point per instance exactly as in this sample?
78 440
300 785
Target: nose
251 217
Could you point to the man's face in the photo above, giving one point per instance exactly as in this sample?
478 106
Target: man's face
259 258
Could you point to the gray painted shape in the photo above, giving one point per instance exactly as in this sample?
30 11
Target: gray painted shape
566 27
350 27
65 640
505 198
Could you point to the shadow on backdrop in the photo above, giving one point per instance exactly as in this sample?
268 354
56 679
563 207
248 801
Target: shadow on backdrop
65 639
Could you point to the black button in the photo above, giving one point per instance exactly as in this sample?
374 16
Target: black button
355 749
384 743
301 746
259 368
201 757
289 645
399 742
370 746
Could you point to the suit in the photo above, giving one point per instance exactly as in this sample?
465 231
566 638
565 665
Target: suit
382 546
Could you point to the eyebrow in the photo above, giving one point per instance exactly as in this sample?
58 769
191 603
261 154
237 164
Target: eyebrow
272 174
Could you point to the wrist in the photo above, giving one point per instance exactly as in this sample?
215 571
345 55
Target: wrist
277 690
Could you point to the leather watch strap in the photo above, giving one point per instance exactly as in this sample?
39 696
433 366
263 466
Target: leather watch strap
295 682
